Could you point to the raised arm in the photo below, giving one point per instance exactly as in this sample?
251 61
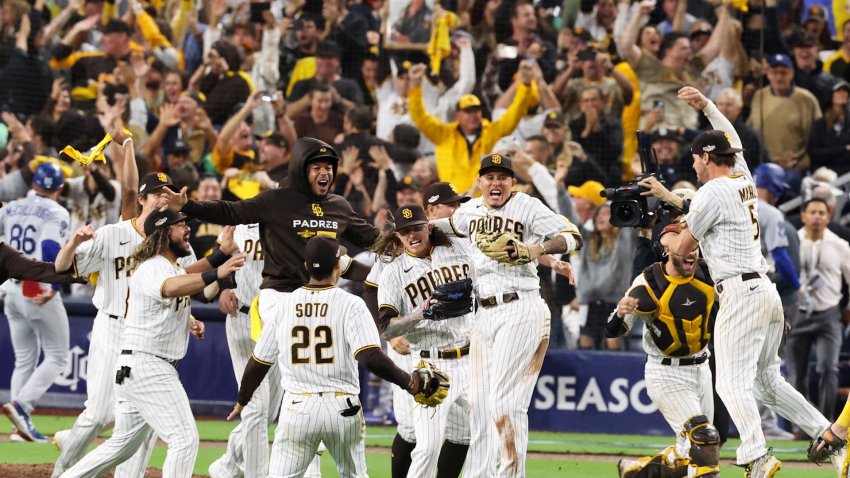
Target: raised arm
127 170
629 48
699 102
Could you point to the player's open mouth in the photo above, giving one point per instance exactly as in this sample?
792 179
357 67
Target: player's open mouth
689 262
415 243
323 182
495 193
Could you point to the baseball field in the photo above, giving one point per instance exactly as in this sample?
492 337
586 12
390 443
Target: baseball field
550 454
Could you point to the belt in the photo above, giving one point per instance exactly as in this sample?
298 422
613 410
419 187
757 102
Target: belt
113 317
245 310
685 361
447 354
173 363
493 300
322 394
744 278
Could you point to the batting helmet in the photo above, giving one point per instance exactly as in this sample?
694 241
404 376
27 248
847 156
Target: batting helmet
48 176
771 176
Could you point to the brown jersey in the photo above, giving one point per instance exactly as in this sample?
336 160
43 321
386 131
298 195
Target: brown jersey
288 217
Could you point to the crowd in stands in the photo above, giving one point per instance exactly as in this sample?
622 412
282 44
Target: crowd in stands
215 92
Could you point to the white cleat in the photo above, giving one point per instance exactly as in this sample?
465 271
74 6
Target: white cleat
59 439
764 467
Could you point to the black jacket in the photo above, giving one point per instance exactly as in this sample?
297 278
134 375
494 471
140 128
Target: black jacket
288 217
828 148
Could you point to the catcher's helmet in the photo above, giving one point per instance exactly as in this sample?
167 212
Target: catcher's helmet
48 176
771 176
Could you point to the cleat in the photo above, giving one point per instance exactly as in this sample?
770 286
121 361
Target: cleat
21 420
59 438
764 467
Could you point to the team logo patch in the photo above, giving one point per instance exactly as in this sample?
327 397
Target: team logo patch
160 222
453 188
323 150
708 148
553 115
162 177
143 187
406 213
727 137
497 159
306 234
317 210
433 198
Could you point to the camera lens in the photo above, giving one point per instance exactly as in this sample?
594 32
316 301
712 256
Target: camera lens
625 214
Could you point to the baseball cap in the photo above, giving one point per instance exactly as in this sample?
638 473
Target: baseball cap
117 26
780 59
555 119
312 149
409 216
152 181
199 97
805 40
275 138
443 193
841 84
161 219
321 254
468 101
180 146
664 133
590 190
409 182
587 54
328 49
495 161
702 30
714 141
816 13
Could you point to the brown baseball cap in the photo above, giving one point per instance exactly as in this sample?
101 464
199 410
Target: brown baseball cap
152 181
496 161
409 216
321 253
442 193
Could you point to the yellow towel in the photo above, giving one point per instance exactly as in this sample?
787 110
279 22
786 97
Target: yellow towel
440 45
94 154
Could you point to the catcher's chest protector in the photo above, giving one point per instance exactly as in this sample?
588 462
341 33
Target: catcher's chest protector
682 310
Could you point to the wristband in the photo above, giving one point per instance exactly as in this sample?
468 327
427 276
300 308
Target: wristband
543 247
217 258
209 276
124 144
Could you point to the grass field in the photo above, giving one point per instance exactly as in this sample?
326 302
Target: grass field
552 454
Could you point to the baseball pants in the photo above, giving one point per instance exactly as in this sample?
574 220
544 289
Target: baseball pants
248 443
35 328
99 411
448 421
747 333
308 419
508 344
680 392
823 331
151 401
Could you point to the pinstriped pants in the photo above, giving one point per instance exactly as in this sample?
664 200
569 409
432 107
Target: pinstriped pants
747 334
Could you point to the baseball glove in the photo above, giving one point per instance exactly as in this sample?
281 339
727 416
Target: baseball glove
433 384
454 299
831 445
503 247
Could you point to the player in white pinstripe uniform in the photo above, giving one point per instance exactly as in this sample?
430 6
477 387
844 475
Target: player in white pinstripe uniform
36 226
248 446
318 334
675 298
724 219
430 258
510 332
108 254
150 398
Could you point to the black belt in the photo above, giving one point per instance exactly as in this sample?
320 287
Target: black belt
493 300
686 361
113 317
173 363
744 278
245 310
447 354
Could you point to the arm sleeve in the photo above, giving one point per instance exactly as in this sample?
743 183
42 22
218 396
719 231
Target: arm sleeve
548 223
231 213
718 121
378 363
359 232
89 257
254 374
431 127
785 268
516 111
356 271
389 297
17 266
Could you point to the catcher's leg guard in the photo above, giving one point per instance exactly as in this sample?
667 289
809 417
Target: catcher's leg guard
705 447
667 464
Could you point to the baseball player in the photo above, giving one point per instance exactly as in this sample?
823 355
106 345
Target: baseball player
150 398
37 226
724 219
510 332
248 445
109 255
317 336
674 298
430 258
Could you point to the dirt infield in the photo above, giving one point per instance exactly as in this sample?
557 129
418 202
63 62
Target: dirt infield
44 470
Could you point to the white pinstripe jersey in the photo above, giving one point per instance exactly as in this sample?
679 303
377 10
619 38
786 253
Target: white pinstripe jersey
108 254
408 281
27 222
724 219
96 211
374 277
248 278
314 336
524 216
155 324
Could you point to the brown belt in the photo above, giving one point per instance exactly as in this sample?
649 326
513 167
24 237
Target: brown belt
173 363
744 277
447 354
493 300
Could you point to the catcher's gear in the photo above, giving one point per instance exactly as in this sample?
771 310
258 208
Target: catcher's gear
705 446
503 247
454 299
433 384
831 445
666 464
